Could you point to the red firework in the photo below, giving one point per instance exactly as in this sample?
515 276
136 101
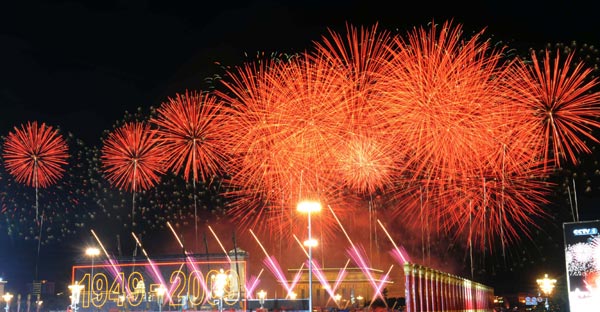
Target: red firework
35 155
445 97
558 102
191 127
365 154
132 158
287 120
435 114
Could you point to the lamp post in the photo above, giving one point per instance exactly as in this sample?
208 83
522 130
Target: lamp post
261 298
75 293
546 285
309 207
160 293
92 252
7 297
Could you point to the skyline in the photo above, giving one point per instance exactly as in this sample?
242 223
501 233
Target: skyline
179 79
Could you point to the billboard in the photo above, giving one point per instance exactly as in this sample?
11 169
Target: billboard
582 258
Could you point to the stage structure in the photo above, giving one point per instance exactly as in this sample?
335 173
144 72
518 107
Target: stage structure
431 290
191 282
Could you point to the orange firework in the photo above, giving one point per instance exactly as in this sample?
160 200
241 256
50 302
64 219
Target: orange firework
444 125
440 97
132 158
365 154
287 119
444 95
35 155
191 130
559 105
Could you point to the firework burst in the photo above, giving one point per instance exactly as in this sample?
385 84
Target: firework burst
191 130
291 117
131 157
365 154
35 155
558 101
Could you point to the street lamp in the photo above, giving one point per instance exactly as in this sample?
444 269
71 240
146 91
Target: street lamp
160 293
546 285
75 293
309 207
92 252
7 297
261 298
219 282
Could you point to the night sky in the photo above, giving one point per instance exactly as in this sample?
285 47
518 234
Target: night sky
81 65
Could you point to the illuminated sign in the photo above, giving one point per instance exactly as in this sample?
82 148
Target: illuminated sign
582 257
585 231
136 286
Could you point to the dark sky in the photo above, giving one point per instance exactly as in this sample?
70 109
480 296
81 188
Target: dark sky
81 64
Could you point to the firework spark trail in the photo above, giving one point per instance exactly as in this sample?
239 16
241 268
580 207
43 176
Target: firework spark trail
340 277
365 158
191 263
295 280
252 284
286 109
356 255
359 258
399 254
321 276
113 265
272 265
341 226
557 101
323 279
441 85
379 287
220 244
35 155
156 273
